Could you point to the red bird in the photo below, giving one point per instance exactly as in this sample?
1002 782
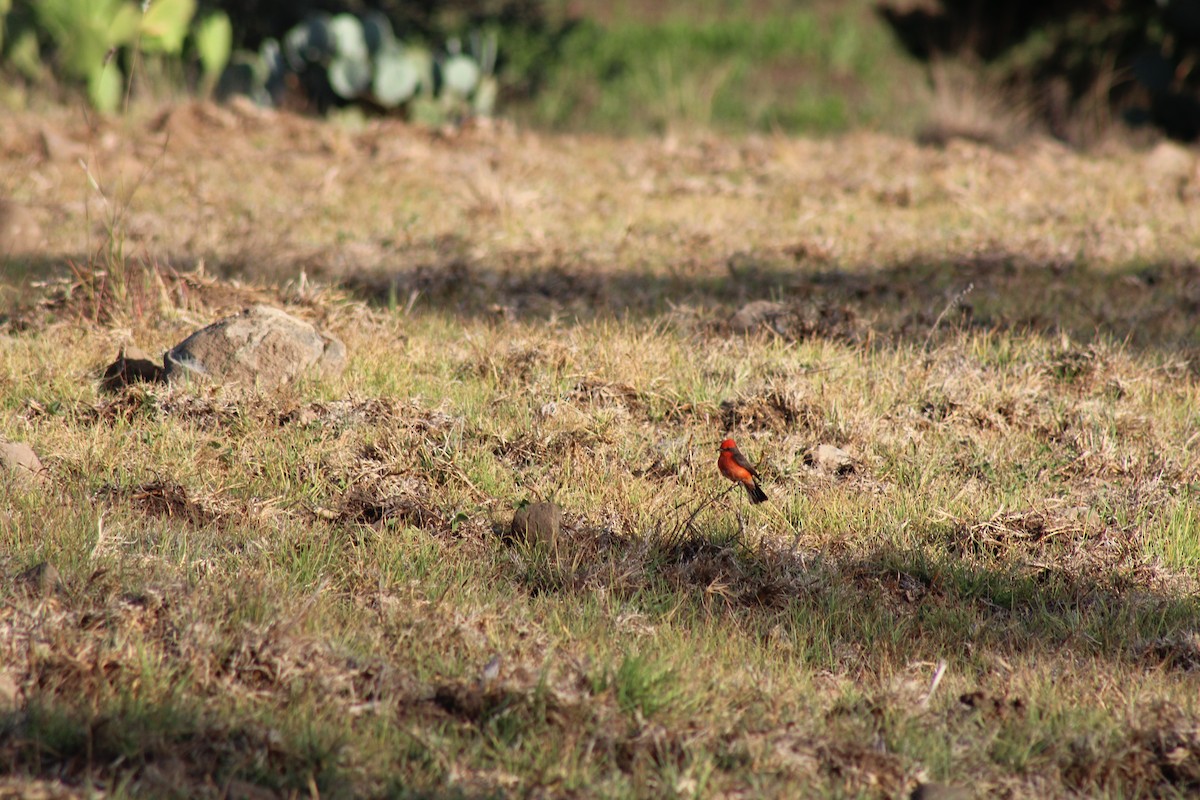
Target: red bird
733 465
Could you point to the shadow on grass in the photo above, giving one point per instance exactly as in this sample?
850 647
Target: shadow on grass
149 749
893 606
1151 307
161 751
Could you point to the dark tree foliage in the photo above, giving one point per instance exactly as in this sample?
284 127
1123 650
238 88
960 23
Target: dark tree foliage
1141 56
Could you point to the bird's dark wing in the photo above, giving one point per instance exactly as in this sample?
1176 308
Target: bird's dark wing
741 461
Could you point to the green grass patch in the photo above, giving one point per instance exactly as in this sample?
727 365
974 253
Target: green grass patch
794 70
316 588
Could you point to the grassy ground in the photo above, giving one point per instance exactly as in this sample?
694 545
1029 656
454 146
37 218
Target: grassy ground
768 65
301 593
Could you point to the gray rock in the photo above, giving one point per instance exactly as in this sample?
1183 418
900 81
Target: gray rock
758 315
19 230
798 319
830 459
261 347
1170 160
40 579
18 457
57 147
538 523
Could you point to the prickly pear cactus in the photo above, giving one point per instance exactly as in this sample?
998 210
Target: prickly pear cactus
360 59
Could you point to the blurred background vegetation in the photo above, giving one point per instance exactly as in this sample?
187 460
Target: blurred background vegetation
1080 70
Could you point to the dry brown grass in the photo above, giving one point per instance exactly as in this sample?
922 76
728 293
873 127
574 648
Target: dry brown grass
309 592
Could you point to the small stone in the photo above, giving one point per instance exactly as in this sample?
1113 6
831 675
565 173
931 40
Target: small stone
19 231
19 458
262 347
758 315
57 147
40 579
1170 160
538 523
132 366
302 416
830 459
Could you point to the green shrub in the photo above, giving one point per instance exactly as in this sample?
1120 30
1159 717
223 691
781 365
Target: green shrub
92 42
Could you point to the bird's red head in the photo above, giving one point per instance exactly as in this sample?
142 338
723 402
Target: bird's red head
728 444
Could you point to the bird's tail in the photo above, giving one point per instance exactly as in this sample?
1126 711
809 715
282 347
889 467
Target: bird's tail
757 495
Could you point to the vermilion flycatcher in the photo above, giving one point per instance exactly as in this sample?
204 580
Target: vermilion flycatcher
733 465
